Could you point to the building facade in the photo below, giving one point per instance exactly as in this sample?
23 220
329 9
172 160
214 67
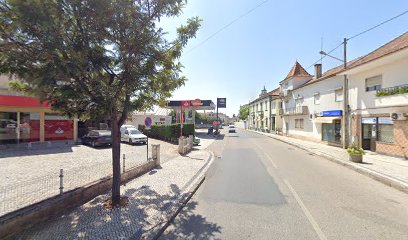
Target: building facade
264 112
24 119
378 89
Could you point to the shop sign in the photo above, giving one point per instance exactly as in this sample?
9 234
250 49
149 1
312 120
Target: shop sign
196 102
332 113
385 120
221 102
185 104
369 120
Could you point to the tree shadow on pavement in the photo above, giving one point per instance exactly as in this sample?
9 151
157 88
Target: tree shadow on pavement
146 210
189 225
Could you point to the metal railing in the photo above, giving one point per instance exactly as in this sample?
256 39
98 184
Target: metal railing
393 90
302 110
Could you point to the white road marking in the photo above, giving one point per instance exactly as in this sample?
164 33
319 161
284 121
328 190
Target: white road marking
309 216
267 155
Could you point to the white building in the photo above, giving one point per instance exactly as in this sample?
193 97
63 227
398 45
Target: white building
378 90
264 112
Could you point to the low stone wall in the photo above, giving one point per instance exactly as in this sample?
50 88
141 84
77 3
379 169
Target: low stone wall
26 217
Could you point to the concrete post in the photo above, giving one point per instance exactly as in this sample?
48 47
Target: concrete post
61 177
156 153
42 126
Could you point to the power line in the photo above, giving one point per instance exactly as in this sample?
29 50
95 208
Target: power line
227 25
382 23
358 34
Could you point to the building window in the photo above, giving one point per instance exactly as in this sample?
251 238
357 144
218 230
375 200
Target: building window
386 133
331 132
373 83
338 94
317 99
299 123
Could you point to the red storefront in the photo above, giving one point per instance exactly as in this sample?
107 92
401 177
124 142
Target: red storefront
26 119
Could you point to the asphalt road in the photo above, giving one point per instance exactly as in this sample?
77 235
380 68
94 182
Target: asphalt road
260 188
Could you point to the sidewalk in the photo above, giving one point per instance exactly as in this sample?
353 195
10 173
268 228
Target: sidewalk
392 171
153 199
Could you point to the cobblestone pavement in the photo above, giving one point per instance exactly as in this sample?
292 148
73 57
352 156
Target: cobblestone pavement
30 175
151 198
390 167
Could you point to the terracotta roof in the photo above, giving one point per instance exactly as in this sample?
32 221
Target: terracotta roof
393 46
297 71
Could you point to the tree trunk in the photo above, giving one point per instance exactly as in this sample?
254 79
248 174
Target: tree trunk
115 160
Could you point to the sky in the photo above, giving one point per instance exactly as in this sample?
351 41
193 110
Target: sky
260 48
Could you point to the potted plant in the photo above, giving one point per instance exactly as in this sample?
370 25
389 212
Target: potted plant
355 153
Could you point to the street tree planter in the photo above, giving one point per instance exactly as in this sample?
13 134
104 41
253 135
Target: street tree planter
355 153
357 158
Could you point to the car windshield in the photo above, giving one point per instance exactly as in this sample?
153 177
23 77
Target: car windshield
231 126
105 133
135 132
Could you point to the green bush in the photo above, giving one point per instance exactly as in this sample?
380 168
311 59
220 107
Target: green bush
168 132
400 90
355 150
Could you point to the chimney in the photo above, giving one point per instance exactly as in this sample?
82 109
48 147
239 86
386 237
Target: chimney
318 70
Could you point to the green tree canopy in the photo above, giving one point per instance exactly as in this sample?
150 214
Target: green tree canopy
243 112
94 57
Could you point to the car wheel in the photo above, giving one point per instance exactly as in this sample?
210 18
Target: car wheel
93 144
130 141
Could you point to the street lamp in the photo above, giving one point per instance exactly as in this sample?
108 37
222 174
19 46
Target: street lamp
345 119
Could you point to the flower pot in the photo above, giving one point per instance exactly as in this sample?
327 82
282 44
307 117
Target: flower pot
357 158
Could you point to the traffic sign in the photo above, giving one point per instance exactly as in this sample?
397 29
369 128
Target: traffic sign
148 121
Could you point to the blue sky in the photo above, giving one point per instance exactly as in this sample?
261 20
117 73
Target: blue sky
260 48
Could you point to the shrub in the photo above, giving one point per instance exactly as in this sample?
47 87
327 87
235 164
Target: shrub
168 132
355 150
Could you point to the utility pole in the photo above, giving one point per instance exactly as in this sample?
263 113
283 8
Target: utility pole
345 120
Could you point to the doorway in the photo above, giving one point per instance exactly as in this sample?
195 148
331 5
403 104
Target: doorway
369 136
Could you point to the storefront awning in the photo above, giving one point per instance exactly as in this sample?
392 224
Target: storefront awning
326 119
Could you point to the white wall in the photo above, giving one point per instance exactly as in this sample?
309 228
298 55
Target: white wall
394 73
326 88
139 119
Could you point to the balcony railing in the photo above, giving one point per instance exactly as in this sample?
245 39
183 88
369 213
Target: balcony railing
401 89
302 110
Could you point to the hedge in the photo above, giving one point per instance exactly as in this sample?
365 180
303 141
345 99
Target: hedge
167 132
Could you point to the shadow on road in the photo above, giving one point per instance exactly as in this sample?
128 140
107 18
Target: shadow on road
189 225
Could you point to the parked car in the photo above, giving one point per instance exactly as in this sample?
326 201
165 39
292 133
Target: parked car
98 138
132 135
196 141
231 129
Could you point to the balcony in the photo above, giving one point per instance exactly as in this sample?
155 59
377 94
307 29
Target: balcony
302 110
401 89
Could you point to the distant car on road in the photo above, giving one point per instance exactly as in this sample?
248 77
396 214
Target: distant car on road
196 141
97 138
132 135
231 129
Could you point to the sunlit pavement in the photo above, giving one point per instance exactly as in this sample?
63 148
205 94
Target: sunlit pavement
261 188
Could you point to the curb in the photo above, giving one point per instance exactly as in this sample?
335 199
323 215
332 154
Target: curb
384 179
196 181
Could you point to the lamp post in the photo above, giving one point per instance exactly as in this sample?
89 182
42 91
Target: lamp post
345 119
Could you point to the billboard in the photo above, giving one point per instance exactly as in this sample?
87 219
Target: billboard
221 102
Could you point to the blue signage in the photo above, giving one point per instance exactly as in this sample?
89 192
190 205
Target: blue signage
332 113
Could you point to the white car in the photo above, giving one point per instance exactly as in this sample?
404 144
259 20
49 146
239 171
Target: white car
132 135
231 129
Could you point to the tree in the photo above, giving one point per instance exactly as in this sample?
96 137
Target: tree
95 57
243 112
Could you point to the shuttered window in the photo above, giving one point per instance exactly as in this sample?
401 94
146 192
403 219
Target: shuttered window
373 83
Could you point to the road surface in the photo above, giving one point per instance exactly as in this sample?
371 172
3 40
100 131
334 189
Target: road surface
260 188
